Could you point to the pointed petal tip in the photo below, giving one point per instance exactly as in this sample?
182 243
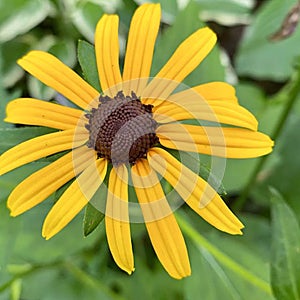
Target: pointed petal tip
46 234
13 214
129 270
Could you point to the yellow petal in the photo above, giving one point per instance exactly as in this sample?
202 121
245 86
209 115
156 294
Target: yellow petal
36 148
140 46
219 91
190 105
163 230
117 219
217 141
196 192
107 54
185 59
37 112
52 72
41 184
73 199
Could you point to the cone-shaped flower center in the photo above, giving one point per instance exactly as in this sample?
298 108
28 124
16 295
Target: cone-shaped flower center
122 129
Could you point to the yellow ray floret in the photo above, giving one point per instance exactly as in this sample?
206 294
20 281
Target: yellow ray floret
217 141
41 184
107 54
196 192
41 113
51 71
140 46
36 148
117 219
191 106
219 91
184 60
74 199
163 230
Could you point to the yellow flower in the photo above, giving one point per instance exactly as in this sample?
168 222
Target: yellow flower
123 134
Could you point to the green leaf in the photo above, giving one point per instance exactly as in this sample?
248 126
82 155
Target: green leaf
186 23
4 95
13 136
215 284
240 263
95 210
285 264
13 50
254 59
92 218
85 18
19 16
87 60
61 190
226 12
287 164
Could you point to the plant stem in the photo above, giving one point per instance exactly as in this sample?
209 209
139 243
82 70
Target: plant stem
225 260
292 93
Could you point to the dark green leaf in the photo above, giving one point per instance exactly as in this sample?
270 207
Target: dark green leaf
285 263
95 209
92 218
13 136
186 23
13 50
61 190
87 60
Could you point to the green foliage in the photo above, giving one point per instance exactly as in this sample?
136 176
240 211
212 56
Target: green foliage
75 264
285 265
12 24
261 58
92 218
87 60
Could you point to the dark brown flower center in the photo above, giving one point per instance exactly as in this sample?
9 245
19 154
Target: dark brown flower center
122 129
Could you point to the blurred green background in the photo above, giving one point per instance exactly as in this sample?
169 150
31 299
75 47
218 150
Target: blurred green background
264 263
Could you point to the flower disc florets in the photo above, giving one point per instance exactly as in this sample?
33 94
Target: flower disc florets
121 129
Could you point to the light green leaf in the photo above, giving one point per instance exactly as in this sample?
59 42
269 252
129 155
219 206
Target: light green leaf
257 56
87 60
285 264
208 278
85 18
226 12
19 16
247 277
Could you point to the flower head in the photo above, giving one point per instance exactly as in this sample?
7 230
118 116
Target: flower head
124 134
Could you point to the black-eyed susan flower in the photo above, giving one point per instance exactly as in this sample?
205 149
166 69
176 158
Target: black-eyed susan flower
124 134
